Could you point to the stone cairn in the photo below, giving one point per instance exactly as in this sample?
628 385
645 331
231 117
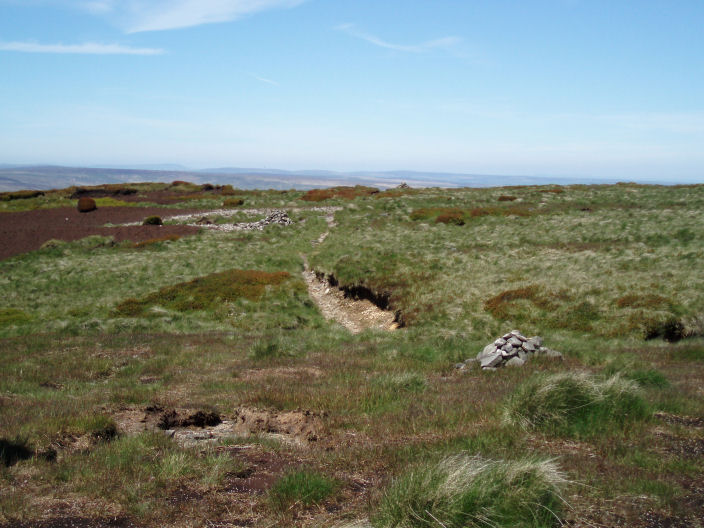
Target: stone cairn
275 217
510 350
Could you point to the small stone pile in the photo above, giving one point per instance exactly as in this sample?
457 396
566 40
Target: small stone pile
275 217
511 350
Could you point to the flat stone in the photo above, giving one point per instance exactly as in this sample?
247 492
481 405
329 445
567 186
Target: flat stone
528 346
507 348
500 342
470 361
489 368
523 355
537 341
515 342
460 366
507 336
515 362
489 349
491 360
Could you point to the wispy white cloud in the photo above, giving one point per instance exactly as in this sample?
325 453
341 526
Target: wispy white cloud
263 79
86 48
443 43
135 16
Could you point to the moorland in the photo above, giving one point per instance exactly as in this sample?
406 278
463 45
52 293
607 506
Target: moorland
188 372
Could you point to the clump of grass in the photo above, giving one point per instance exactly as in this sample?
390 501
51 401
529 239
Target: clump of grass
464 491
205 292
629 369
233 202
152 220
263 350
303 487
575 404
343 192
401 382
158 240
12 316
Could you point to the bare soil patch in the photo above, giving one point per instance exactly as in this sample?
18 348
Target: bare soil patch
26 231
191 428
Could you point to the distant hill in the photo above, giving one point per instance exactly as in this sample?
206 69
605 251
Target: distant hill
15 177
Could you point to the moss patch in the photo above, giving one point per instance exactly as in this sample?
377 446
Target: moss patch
206 292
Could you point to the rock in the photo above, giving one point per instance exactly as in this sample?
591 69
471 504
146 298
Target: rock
515 362
489 349
460 366
489 368
536 341
553 354
514 341
403 185
512 349
491 360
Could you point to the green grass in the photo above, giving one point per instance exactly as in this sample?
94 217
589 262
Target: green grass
575 404
464 491
301 487
588 268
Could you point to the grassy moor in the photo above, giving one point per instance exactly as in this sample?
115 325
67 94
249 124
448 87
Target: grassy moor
193 355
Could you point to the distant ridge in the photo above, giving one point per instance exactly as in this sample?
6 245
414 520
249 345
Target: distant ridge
16 177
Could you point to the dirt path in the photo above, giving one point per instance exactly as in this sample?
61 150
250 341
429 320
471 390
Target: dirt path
355 315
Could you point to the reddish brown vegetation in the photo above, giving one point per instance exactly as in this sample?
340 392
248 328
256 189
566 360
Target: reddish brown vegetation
233 202
86 205
454 218
633 300
19 195
499 305
25 231
344 192
507 198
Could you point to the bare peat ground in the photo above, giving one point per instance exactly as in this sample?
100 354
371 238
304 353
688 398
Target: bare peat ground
25 231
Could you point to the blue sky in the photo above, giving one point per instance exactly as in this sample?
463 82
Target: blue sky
594 88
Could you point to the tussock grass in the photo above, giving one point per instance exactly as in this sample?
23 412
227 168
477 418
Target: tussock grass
466 491
576 404
301 486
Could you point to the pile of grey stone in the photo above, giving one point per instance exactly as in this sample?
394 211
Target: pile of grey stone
510 350
274 217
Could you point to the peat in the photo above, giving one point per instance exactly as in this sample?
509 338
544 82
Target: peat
26 231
